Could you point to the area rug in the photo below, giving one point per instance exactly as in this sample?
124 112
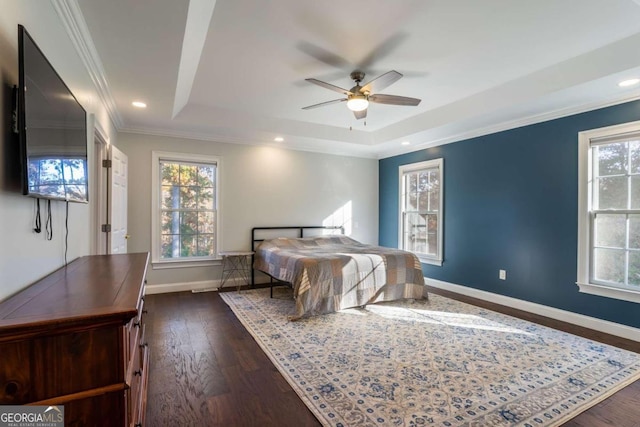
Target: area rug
435 362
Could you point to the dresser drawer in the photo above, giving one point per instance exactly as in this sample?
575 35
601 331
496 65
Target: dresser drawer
136 395
45 367
141 392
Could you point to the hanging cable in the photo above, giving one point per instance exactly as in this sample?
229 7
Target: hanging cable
38 224
66 234
49 225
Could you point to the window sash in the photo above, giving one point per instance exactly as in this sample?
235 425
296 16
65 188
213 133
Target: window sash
587 142
193 228
625 247
432 211
196 241
603 270
429 212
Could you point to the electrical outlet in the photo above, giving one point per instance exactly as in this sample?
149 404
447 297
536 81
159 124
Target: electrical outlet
503 274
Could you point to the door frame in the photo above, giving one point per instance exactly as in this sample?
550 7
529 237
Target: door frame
99 196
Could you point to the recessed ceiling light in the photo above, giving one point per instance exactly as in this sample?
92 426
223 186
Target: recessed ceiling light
139 104
406 143
630 82
278 139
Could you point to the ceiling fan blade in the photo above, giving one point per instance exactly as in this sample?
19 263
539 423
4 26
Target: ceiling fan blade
329 86
360 114
322 104
381 51
381 82
324 55
394 100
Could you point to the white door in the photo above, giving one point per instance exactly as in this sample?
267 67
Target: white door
118 175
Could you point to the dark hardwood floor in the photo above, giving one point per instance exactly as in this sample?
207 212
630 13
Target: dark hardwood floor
206 369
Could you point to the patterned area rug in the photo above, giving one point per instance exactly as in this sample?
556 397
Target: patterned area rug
433 362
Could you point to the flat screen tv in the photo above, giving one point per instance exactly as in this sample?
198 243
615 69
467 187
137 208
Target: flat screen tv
52 128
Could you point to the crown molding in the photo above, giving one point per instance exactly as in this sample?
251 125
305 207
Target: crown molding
76 27
512 124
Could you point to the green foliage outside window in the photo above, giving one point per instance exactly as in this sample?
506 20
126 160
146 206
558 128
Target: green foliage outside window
188 210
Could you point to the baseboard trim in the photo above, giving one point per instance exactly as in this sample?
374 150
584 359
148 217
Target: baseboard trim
203 286
166 288
605 326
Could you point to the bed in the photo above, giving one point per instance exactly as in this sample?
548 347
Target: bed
334 272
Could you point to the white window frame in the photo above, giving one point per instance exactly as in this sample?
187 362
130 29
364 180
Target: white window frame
415 167
156 260
585 214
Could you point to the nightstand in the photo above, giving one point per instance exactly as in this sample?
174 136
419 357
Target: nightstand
236 266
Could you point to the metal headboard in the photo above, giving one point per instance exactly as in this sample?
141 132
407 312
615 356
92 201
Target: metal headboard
298 229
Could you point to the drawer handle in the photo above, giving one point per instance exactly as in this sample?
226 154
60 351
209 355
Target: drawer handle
136 324
138 372
143 345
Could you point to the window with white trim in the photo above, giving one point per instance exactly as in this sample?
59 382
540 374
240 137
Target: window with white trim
185 208
609 217
421 213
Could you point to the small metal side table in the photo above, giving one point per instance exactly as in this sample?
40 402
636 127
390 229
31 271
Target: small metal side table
236 266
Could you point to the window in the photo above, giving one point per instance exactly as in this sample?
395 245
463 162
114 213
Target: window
185 219
421 210
609 212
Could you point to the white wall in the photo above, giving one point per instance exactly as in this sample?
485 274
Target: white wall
260 186
24 255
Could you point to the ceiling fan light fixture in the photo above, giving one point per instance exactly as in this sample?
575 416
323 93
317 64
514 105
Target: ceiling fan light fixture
358 97
357 103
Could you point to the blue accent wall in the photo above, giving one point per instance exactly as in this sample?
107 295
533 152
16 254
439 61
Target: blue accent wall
511 202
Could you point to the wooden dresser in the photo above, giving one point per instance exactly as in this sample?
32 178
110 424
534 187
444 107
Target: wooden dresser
76 338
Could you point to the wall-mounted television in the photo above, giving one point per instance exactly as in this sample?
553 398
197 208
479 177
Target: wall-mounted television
52 128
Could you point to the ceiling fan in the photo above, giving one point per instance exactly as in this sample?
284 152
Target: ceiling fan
359 97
